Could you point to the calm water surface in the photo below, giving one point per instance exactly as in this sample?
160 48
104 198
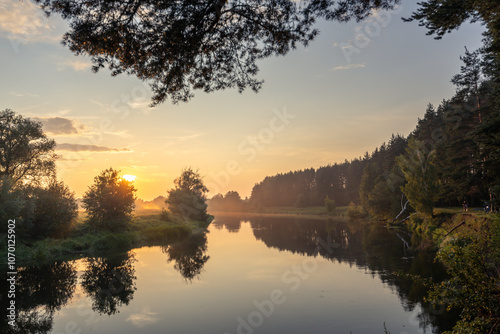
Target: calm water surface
245 275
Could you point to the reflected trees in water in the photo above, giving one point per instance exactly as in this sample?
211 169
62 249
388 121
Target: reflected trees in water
40 292
366 245
109 282
232 224
189 256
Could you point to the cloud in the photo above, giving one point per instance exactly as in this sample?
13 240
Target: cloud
77 65
348 67
16 94
144 318
88 148
64 158
25 22
59 125
139 103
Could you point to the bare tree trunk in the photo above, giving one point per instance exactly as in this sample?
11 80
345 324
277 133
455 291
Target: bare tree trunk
453 229
403 209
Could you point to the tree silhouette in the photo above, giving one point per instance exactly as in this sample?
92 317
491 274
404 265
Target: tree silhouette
109 202
443 16
188 197
25 151
181 46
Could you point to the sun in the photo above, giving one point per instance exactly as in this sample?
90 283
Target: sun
129 178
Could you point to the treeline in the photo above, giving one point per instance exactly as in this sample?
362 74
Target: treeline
450 159
340 182
43 206
343 183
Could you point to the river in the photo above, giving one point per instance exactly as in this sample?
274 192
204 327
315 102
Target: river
246 274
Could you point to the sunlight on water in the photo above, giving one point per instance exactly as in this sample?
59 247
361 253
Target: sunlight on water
234 282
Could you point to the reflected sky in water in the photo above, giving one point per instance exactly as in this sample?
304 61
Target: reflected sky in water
253 275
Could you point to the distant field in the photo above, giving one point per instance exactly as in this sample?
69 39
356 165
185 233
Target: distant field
310 210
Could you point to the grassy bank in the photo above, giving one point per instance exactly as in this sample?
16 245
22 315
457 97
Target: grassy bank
468 244
301 211
147 228
430 232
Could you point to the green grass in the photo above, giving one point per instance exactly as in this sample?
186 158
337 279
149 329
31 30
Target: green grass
433 231
309 210
147 228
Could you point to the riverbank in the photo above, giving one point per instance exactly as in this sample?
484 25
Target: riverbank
147 228
291 211
468 244
431 232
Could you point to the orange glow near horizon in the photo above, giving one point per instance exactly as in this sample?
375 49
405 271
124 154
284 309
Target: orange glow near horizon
129 178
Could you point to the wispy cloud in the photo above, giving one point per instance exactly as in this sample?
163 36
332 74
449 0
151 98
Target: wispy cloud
89 148
77 65
17 94
60 125
139 103
348 67
64 158
144 318
25 22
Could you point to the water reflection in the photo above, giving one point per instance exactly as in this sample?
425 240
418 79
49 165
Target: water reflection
369 246
189 256
40 292
238 259
109 282
230 223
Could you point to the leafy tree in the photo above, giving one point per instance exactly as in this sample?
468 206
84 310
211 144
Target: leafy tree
443 16
471 76
109 202
55 210
181 46
26 154
11 203
489 137
188 197
329 204
232 201
419 169
472 262
380 187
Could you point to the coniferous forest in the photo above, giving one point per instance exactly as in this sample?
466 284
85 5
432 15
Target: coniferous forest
450 158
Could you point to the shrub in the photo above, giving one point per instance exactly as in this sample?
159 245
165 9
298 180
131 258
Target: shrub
188 197
55 210
110 201
113 241
330 204
166 233
355 211
164 215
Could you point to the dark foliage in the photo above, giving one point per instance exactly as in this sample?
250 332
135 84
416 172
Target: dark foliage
188 197
109 202
181 46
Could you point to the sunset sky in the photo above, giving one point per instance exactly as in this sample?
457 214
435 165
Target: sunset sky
330 102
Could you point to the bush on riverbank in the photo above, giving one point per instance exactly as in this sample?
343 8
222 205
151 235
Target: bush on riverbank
472 258
145 229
